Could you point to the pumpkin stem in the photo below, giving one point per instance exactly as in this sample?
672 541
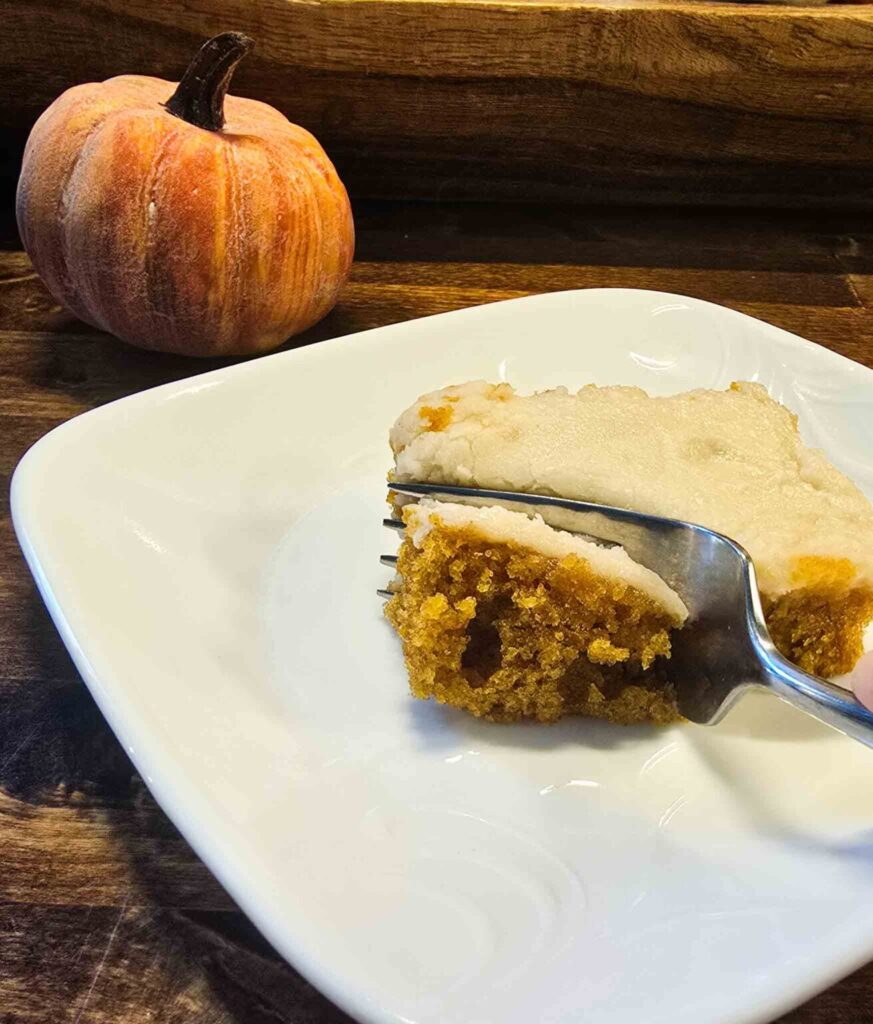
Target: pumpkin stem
199 97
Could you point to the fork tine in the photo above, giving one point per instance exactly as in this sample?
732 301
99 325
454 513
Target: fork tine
394 524
385 593
414 490
389 560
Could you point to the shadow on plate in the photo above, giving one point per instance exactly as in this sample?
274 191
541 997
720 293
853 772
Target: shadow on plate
757 716
762 716
793 822
442 728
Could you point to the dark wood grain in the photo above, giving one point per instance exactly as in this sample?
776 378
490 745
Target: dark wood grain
106 915
647 101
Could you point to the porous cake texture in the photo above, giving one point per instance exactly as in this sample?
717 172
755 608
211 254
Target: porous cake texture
508 618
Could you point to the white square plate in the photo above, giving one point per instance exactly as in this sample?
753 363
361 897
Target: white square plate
209 551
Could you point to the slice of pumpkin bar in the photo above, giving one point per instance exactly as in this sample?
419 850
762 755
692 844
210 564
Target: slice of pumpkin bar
506 617
729 460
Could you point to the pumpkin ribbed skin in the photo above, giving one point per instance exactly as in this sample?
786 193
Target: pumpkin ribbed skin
178 238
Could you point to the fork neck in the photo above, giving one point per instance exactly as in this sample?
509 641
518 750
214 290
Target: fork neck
829 703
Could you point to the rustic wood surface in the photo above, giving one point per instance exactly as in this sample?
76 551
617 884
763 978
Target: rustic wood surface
106 915
621 100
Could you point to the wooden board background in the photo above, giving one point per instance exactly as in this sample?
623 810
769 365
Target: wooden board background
644 101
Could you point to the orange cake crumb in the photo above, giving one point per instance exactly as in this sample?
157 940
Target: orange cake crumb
436 417
505 632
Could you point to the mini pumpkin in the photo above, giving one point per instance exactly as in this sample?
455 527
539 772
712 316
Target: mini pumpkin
183 219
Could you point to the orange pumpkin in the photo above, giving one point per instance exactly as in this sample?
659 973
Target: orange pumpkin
149 215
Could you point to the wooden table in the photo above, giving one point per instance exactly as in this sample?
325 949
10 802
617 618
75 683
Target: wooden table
638 101
106 915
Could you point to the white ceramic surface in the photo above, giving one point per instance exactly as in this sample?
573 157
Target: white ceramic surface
209 552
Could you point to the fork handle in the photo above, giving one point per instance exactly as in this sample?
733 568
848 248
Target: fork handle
825 701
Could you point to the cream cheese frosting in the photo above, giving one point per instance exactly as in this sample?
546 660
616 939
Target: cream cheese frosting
730 460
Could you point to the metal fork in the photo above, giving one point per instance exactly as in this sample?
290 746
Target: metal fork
724 649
